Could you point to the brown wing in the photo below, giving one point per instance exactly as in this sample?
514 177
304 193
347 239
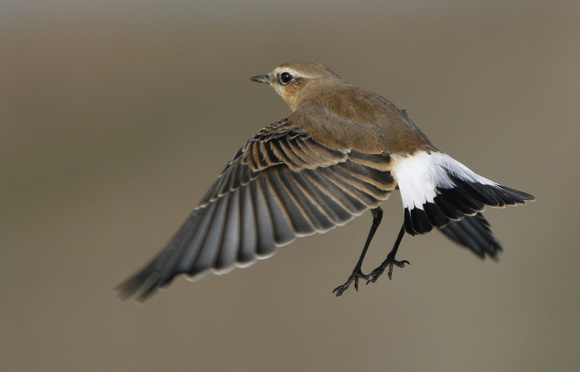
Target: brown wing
280 185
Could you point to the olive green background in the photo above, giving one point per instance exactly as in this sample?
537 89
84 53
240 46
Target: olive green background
116 117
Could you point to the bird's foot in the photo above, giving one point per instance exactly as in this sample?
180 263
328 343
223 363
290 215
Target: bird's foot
390 262
356 274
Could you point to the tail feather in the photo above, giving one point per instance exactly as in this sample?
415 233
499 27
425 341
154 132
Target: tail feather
437 189
474 232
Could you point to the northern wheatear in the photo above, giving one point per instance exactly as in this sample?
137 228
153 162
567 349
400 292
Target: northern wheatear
342 151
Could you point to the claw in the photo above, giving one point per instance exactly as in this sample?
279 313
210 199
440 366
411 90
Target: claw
356 274
400 264
391 263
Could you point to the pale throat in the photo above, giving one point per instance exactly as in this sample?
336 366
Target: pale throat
289 96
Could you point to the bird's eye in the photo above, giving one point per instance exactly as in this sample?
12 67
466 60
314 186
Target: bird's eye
285 78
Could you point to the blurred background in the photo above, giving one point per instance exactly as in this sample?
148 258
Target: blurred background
115 118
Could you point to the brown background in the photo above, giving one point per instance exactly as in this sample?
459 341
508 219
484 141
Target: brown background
114 119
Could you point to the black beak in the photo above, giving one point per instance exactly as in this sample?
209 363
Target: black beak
261 79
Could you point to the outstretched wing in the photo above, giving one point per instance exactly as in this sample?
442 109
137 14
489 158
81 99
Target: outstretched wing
280 185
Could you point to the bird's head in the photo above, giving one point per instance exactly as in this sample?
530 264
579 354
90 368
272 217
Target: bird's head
295 80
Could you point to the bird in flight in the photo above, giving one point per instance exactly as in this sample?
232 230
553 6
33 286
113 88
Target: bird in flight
342 151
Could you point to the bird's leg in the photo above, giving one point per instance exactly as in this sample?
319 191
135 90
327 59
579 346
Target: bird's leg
357 272
390 261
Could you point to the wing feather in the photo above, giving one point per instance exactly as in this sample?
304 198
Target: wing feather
310 206
280 185
265 215
229 247
248 238
329 204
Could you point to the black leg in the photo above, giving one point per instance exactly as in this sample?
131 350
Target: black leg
357 272
390 261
